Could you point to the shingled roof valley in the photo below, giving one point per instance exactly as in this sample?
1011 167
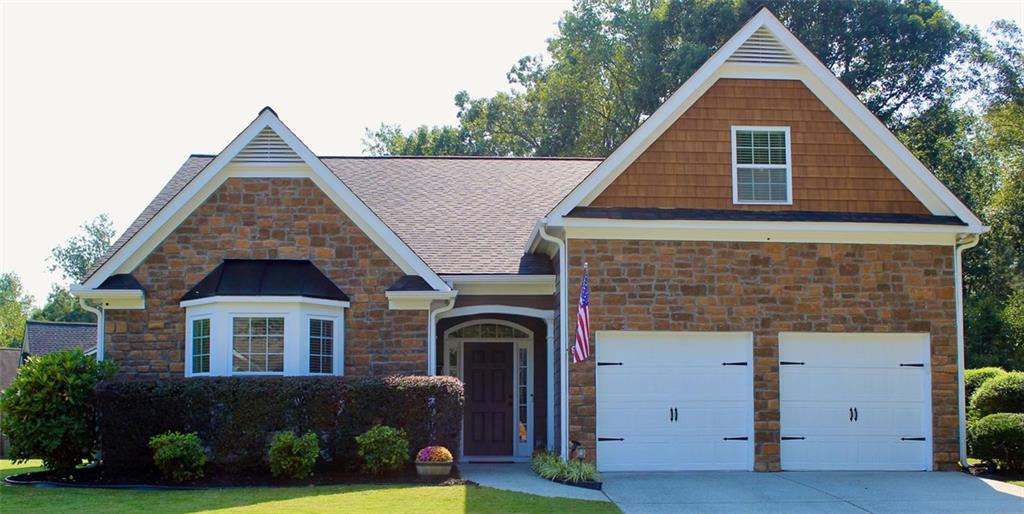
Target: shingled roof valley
461 215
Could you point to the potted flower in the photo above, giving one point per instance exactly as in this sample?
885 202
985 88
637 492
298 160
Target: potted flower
434 461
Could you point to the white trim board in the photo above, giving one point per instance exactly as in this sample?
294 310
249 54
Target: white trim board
217 171
502 284
819 79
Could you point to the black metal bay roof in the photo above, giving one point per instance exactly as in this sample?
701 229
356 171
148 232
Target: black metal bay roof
253 277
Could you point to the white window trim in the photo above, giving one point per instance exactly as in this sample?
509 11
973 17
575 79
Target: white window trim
788 166
296 312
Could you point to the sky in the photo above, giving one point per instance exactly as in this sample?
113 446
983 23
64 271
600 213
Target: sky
101 103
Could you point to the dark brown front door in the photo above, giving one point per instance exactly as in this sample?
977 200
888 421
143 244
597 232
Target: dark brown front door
488 398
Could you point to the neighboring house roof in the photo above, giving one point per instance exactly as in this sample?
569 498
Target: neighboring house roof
257 277
42 337
10 361
467 215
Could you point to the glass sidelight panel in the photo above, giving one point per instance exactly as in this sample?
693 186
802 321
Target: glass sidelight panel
522 363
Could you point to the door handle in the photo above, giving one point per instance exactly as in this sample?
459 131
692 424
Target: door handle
851 413
671 417
855 415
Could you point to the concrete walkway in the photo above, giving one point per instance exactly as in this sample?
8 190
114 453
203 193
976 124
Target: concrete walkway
792 492
518 477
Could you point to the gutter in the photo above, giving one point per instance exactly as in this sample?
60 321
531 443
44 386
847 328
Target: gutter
432 334
563 336
964 243
100 315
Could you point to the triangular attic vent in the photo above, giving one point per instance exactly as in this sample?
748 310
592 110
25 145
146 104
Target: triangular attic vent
267 148
762 48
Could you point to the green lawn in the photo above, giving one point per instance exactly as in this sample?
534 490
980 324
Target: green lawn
356 498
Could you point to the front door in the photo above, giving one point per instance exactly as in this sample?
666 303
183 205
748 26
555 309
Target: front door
488 398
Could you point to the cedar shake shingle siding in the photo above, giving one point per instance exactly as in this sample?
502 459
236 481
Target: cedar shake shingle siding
690 165
767 288
280 218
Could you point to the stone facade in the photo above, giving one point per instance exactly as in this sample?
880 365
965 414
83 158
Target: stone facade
280 218
767 288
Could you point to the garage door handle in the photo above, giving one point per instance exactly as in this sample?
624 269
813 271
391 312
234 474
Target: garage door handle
912 365
609 363
734 363
793 438
851 413
790 363
855 415
912 439
735 438
605 439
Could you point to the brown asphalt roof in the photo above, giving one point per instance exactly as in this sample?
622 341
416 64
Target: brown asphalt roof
461 215
42 337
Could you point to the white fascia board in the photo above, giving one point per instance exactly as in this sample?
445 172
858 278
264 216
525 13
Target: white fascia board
215 173
223 299
847 107
416 300
754 231
113 299
502 284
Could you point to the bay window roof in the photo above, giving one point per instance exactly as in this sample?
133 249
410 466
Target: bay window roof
266 277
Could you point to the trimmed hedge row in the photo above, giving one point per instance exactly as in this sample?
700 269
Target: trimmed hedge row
237 417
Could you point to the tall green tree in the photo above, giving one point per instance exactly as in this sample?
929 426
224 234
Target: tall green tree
74 259
15 305
612 63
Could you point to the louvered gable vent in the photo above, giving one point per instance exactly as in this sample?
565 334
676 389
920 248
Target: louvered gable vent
267 148
762 48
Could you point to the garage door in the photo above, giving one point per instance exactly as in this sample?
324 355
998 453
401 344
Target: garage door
854 401
674 401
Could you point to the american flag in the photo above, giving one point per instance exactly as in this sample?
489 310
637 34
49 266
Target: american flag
581 350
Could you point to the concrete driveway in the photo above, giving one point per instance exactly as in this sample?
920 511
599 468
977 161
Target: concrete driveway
797 492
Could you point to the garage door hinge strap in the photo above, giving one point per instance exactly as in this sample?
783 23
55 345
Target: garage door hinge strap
793 438
790 363
912 439
912 365
735 438
734 363
599 439
609 363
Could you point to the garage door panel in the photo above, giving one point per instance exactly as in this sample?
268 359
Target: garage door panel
647 375
846 402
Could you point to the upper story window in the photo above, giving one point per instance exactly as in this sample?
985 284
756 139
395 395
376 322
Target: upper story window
761 168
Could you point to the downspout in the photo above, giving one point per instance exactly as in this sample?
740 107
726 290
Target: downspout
969 241
432 335
563 335
100 315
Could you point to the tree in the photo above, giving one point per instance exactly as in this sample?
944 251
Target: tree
14 310
74 259
613 63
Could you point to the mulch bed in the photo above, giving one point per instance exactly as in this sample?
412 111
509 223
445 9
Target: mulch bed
97 477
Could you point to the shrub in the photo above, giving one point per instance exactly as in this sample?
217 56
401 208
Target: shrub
236 417
552 467
434 454
973 378
179 457
292 456
48 410
383 449
999 439
1004 393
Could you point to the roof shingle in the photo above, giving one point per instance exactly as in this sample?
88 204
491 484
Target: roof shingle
42 337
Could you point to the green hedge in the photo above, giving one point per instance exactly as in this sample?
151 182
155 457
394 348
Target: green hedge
237 417
1003 393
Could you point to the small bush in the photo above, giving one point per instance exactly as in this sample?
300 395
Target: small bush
1004 393
48 410
552 467
434 454
179 457
973 378
999 439
383 449
292 456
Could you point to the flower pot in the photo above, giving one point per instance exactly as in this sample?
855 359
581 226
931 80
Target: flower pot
434 468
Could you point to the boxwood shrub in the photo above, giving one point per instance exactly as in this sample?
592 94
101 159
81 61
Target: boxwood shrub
973 378
1003 393
237 417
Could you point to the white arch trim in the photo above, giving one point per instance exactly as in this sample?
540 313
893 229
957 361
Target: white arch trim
498 309
485 321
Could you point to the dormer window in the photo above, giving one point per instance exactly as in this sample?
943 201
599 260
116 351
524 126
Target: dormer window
761 168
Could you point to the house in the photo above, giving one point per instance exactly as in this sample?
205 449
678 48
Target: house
774 279
43 337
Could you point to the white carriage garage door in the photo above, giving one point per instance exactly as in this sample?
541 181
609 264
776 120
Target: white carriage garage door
855 401
674 401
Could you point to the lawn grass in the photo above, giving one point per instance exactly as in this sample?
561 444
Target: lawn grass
339 498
